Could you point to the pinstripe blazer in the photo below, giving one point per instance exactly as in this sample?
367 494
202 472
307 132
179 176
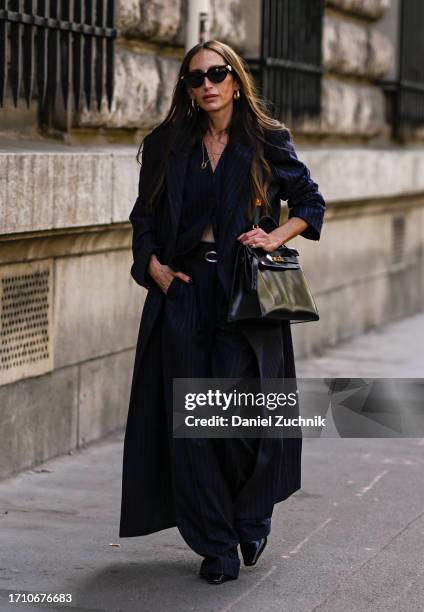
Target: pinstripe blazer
157 231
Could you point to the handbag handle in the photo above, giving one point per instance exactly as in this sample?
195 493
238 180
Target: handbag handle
259 215
258 212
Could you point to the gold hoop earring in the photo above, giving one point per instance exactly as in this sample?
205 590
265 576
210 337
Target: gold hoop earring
236 95
193 103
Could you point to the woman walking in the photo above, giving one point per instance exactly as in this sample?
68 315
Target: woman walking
203 169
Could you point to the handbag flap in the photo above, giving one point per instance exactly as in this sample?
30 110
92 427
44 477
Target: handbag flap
276 261
282 258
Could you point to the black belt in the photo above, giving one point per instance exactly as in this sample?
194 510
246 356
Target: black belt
210 256
206 251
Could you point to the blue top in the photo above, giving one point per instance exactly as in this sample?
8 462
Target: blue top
201 199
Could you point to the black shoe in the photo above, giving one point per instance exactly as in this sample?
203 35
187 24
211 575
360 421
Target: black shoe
251 551
213 578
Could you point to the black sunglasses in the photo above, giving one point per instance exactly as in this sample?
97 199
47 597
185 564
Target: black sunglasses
215 74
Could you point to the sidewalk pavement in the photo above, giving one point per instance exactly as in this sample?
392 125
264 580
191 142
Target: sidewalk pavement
351 539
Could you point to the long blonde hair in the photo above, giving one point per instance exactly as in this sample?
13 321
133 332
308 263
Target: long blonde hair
250 119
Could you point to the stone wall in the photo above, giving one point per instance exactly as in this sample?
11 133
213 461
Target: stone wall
354 53
362 274
82 392
355 49
355 278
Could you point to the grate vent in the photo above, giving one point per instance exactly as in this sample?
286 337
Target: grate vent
398 240
25 321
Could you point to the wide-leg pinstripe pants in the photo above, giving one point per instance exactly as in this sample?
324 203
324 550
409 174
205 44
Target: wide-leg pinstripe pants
208 473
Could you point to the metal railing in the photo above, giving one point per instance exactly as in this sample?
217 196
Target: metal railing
51 43
410 103
289 69
407 89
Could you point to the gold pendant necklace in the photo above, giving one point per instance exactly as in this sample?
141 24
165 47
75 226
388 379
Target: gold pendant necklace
204 163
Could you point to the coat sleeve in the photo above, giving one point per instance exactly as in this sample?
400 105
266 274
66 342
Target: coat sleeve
144 242
296 186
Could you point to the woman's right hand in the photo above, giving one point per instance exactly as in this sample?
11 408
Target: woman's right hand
163 275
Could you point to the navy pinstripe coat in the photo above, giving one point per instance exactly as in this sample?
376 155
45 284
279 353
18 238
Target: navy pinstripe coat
147 497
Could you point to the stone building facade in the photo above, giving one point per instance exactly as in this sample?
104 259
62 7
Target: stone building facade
70 310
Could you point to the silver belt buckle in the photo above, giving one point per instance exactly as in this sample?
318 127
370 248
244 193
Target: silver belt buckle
211 253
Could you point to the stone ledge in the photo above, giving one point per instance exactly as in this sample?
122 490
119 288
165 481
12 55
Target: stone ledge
346 174
61 187
64 188
33 246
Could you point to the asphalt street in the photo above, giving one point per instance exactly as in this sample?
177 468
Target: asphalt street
351 539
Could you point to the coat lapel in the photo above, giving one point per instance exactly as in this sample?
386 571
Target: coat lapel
235 178
175 177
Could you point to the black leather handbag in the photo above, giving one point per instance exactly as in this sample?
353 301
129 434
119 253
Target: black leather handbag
269 285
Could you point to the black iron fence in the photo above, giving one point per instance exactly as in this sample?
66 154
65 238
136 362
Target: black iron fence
289 69
410 103
407 89
46 44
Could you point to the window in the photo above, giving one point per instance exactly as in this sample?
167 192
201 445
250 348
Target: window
289 69
405 85
50 44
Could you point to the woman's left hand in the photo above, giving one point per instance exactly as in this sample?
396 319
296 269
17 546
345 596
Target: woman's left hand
258 238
